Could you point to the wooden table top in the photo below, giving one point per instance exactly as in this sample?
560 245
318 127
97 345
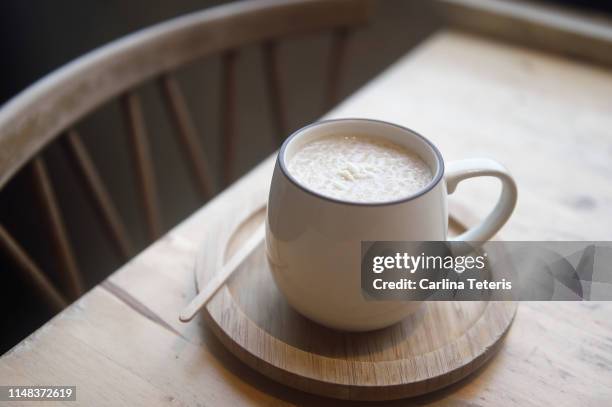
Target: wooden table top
546 118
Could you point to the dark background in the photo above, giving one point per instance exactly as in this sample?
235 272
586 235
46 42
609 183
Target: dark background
37 37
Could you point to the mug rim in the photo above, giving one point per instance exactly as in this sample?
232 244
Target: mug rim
431 185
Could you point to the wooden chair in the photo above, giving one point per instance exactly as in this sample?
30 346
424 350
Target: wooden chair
50 108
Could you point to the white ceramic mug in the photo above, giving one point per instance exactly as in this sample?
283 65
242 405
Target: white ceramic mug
313 242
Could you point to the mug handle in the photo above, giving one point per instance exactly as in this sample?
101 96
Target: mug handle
458 171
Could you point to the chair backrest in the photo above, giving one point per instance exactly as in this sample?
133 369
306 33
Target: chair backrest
50 108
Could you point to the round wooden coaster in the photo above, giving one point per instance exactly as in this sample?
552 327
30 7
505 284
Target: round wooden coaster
440 344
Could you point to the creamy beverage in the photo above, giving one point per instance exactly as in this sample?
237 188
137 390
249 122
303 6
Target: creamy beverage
359 168
327 181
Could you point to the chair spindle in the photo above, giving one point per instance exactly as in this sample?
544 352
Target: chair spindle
275 90
143 163
52 296
186 132
67 263
98 193
337 60
228 114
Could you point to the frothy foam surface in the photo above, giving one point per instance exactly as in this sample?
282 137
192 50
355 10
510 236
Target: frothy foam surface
359 168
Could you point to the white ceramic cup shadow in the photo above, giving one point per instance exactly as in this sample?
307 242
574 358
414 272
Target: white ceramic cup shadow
313 242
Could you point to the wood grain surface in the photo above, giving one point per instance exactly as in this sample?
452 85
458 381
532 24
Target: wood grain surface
548 119
438 345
